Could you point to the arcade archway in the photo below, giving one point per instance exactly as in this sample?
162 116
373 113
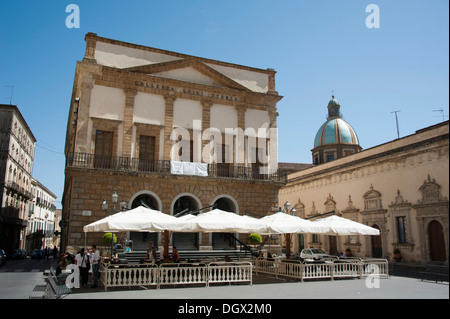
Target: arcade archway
224 240
141 240
185 241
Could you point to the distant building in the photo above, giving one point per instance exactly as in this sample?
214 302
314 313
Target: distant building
41 217
141 124
17 144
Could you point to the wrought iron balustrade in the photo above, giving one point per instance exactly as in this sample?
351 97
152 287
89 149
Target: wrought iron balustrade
131 164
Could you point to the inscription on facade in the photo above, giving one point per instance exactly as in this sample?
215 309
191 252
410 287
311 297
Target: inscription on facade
186 91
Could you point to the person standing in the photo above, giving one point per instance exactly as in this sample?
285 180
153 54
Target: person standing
95 258
83 264
151 256
175 255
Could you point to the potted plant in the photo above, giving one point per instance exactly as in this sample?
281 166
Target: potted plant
397 255
110 238
107 238
254 238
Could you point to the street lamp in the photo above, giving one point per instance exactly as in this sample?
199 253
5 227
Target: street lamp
122 206
287 207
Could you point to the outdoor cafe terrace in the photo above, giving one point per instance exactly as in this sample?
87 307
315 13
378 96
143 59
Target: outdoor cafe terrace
212 271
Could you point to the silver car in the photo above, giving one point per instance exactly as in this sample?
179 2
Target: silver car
313 253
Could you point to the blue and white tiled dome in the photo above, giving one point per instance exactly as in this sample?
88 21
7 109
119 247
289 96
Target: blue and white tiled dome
335 130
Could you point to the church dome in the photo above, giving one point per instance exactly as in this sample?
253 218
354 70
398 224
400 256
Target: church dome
335 131
335 138
333 101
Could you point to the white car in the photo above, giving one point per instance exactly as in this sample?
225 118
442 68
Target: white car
313 253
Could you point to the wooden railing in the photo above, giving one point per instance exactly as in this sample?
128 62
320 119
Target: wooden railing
131 164
175 274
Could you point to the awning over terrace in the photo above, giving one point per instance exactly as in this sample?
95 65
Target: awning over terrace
139 219
219 221
281 223
143 219
335 225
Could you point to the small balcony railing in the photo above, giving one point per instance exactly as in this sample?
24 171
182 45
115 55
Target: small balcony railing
131 164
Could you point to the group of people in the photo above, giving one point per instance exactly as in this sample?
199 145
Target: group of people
85 259
152 257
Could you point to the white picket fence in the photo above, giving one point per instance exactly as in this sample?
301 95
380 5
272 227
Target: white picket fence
175 274
343 269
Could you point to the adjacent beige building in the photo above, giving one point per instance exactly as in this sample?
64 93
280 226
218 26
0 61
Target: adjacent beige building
400 187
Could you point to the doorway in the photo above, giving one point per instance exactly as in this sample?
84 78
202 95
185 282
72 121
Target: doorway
437 241
333 245
377 250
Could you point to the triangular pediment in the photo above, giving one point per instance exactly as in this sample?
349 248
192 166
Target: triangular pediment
188 70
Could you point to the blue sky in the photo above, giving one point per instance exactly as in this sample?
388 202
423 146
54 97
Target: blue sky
315 46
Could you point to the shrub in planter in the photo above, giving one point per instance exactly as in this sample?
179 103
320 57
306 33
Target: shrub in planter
107 238
397 255
255 238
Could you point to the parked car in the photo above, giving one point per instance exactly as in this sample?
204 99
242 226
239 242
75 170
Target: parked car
19 254
313 253
36 254
2 257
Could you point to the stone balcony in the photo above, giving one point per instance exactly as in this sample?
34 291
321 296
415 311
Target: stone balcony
131 164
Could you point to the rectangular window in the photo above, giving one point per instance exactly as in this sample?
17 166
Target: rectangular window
315 238
352 239
256 163
330 158
301 242
147 153
401 229
103 149
223 168
187 148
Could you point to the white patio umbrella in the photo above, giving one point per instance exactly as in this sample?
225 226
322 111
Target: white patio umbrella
281 223
139 219
219 221
336 225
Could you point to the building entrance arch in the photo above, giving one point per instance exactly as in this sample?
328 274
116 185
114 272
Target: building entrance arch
141 240
185 241
224 240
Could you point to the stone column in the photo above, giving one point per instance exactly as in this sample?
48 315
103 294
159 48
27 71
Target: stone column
82 139
240 141
168 125
206 124
128 122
